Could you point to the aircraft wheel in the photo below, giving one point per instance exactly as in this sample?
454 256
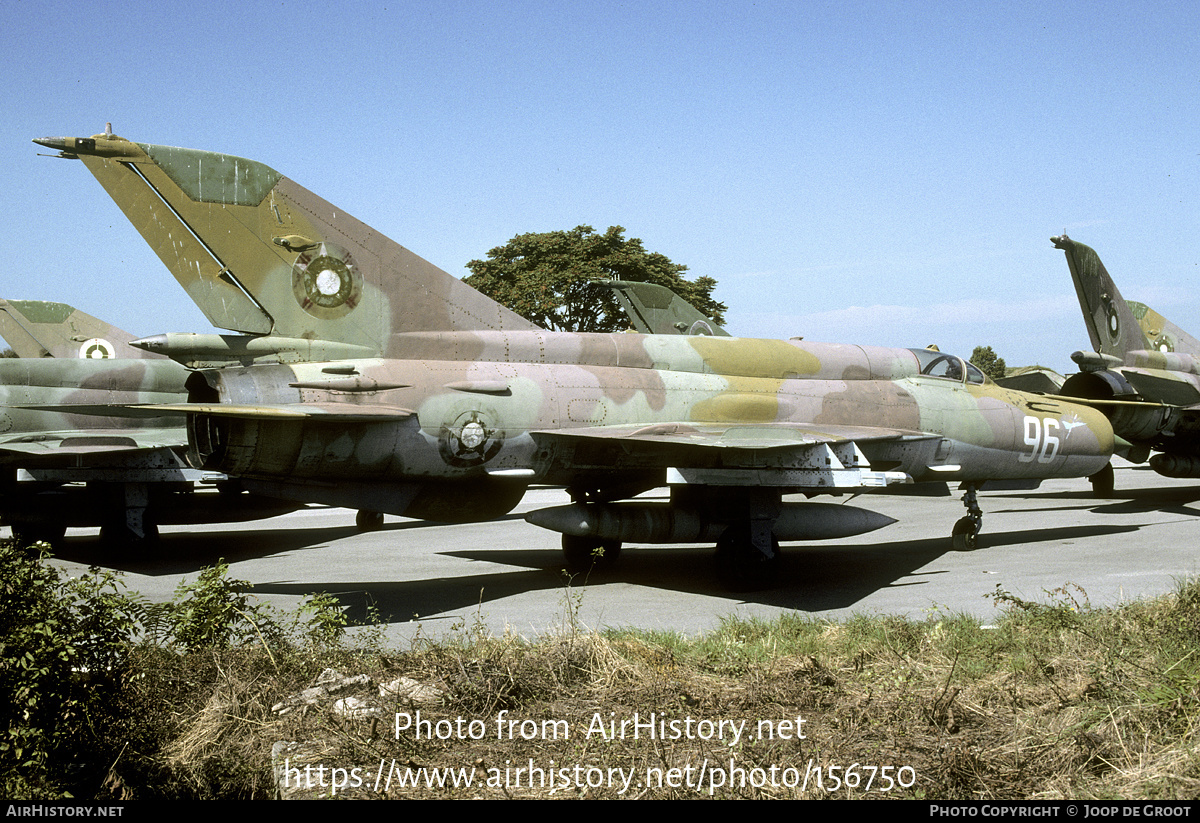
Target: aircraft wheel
26 534
964 536
1103 482
740 566
368 521
584 554
230 487
120 538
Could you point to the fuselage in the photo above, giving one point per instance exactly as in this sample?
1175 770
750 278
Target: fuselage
479 399
63 383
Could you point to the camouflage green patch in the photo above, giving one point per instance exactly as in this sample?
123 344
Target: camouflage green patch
206 177
42 311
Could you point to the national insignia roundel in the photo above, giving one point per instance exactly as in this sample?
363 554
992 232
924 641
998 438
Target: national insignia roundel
1114 321
470 439
97 348
326 281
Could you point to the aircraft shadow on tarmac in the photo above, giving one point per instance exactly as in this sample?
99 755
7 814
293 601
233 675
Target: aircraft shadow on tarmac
815 578
1171 499
187 552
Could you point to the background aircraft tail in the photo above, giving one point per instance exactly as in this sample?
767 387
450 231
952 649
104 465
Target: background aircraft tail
260 254
36 328
655 309
1112 326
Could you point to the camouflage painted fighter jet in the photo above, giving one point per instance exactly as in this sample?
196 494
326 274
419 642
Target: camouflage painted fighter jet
44 449
60 469
366 376
1148 385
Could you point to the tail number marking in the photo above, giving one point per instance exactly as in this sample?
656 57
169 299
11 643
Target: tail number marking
1042 439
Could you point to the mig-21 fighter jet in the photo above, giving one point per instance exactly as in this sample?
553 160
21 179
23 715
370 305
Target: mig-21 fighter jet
1143 372
60 469
365 376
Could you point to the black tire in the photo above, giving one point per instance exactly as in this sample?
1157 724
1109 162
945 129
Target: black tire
963 537
118 539
368 521
230 487
740 566
26 534
1103 482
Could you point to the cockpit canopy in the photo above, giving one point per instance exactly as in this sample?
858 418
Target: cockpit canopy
948 367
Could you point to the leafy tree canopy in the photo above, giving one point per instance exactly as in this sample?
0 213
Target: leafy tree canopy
8 353
546 277
988 362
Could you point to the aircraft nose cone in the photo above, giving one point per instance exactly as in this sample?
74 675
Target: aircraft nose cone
57 143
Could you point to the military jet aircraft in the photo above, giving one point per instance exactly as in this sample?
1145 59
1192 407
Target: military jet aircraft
1149 386
61 469
38 328
366 376
42 449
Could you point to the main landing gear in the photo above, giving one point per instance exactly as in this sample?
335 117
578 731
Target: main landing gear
128 526
26 534
741 521
747 556
1103 482
368 521
743 561
965 535
584 554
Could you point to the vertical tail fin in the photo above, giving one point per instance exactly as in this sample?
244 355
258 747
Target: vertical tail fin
262 255
1112 326
35 328
655 309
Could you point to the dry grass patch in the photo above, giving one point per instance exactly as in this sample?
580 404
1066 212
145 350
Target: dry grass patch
1058 700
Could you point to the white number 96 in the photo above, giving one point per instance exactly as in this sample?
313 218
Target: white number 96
1041 438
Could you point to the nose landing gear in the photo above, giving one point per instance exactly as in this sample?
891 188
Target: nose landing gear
965 536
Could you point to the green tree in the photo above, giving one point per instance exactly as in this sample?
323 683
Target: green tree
547 278
7 353
988 362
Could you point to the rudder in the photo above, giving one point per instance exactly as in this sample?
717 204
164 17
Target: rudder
1112 326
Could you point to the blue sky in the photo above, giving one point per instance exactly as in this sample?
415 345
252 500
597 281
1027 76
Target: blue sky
875 173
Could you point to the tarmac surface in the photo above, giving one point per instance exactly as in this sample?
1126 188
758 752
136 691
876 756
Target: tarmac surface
432 580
